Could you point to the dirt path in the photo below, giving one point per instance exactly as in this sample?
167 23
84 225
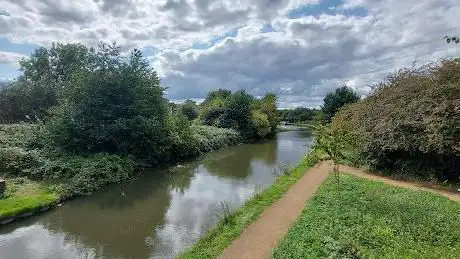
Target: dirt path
258 240
408 185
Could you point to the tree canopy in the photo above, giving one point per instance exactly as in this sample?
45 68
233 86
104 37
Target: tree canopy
190 109
410 123
336 100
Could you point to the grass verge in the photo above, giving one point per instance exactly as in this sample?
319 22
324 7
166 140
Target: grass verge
23 196
218 238
373 220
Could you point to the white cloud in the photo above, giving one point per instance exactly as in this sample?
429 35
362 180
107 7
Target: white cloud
164 24
301 60
305 58
10 58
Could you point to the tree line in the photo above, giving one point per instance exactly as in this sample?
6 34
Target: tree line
99 100
332 103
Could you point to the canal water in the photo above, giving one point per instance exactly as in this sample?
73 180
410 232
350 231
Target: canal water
159 214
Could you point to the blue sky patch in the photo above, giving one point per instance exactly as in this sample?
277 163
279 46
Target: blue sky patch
267 28
329 7
215 40
26 49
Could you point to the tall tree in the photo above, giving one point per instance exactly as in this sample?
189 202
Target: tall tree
237 113
212 108
336 100
45 79
190 109
268 106
119 107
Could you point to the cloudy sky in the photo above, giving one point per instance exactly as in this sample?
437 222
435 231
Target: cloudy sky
298 49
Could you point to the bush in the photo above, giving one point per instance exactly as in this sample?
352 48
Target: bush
183 142
83 175
117 108
410 124
212 138
253 118
15 161
260 123
24 135
190 109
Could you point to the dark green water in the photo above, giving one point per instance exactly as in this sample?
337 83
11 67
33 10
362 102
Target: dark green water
159 214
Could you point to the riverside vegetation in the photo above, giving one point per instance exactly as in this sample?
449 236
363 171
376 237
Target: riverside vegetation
79 118
408 127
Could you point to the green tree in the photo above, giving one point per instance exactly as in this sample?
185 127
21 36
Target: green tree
299 114
237 114
336 100
269 107
212 108
260 123
190 109
44 80
119 108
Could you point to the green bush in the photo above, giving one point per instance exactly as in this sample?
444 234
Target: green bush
183 143
212 138
15 161
253 118
410 124
118 108
83 175
24 135
260 123
190 109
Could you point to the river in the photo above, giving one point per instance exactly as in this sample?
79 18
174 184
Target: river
159 214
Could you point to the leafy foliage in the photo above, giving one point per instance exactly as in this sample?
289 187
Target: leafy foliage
99 115
237 114
190 109
83 175
297 115
213 108
212 138
260 123
336 100
117 108
267 105
253 118
45 78
410 124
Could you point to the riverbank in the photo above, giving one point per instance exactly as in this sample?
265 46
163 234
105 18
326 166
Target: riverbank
160 213
236 236
232 225
370 219
62 176
23 198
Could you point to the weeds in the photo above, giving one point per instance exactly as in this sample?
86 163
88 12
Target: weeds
282 169
226 210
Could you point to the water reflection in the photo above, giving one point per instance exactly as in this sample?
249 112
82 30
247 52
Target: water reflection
159 214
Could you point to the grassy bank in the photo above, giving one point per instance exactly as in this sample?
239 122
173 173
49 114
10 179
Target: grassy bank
373 220
25 156
218 238
23 196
